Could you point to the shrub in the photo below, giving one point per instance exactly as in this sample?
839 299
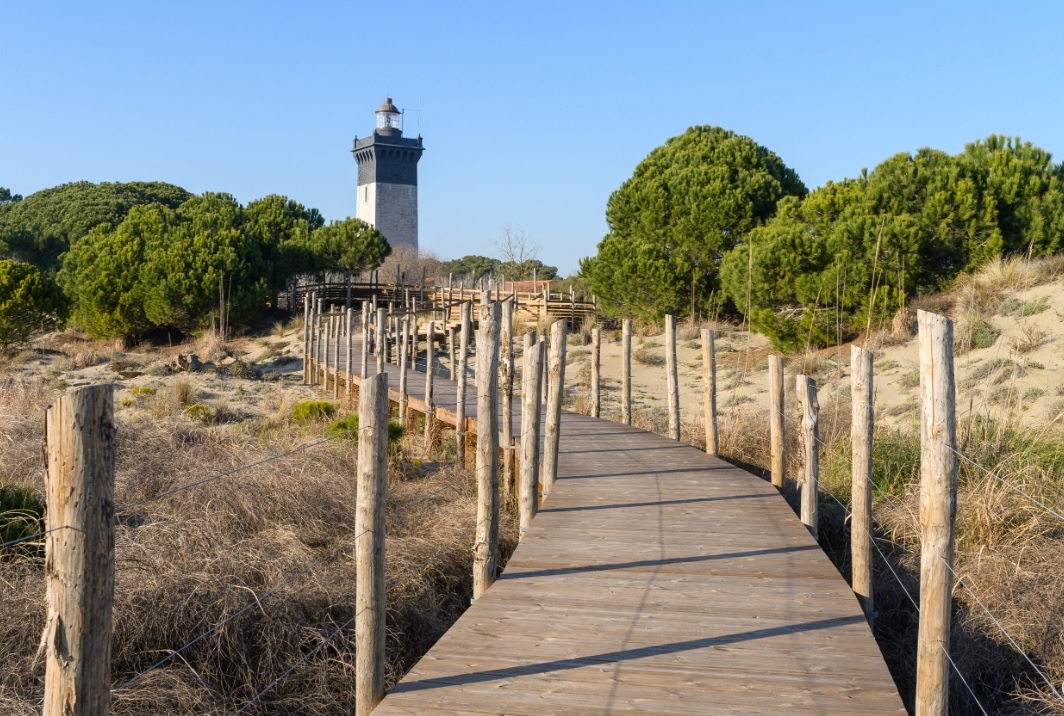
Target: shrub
644 356
1030 337
307 410
200 413
29 300
1023 309
346 428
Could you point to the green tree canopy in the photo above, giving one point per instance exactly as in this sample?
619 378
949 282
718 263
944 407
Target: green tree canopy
283 229
472 267
350 245
862 247
685 205
6 196
41 227
29 300
205 255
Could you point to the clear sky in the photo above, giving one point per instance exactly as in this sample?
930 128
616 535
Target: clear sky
532 113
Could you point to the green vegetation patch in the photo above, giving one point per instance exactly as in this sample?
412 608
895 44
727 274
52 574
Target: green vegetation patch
200 413
1023 309
307 410
346 428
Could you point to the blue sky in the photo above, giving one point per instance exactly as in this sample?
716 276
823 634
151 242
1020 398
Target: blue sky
532 113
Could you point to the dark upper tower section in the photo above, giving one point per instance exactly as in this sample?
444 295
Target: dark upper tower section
387 157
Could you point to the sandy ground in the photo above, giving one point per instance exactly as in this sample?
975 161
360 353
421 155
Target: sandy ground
1021 373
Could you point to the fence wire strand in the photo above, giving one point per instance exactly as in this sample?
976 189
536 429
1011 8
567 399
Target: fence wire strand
220 475
1015 644
956 669
1005 482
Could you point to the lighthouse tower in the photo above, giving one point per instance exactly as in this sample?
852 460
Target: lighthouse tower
387 179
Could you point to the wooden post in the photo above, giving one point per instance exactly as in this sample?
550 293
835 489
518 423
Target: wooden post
450 349
370 606
596 390
365 339
323 351
555 395
349 358
306 341
326 350
938 510
412 329
380 341
430 406
506 378
810 435
861 428
337 326
530 388
672 378
315 336
404 400
79 552
626 371
486 545
709 391
775 418
459 408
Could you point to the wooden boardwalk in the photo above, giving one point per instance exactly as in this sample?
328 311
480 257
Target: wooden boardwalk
655 579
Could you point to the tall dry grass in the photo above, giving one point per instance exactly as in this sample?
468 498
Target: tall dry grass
186 562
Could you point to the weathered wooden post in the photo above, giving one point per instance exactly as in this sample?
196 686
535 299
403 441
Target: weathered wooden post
486 545
626 371
528 491
709 391
323 350
79 552
672 378
596 390
370 606
349 358
451 352
314 338
938 510
862 425
337 330
460 398
326 351
810 440
365 339
412 329
506 379
306 341
404 400
381 341
775 419
430 406
555 395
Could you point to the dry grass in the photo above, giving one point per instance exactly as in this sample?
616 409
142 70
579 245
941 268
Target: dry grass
186 562
1029 338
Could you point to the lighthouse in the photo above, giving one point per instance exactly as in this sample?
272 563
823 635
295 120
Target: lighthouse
387 178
